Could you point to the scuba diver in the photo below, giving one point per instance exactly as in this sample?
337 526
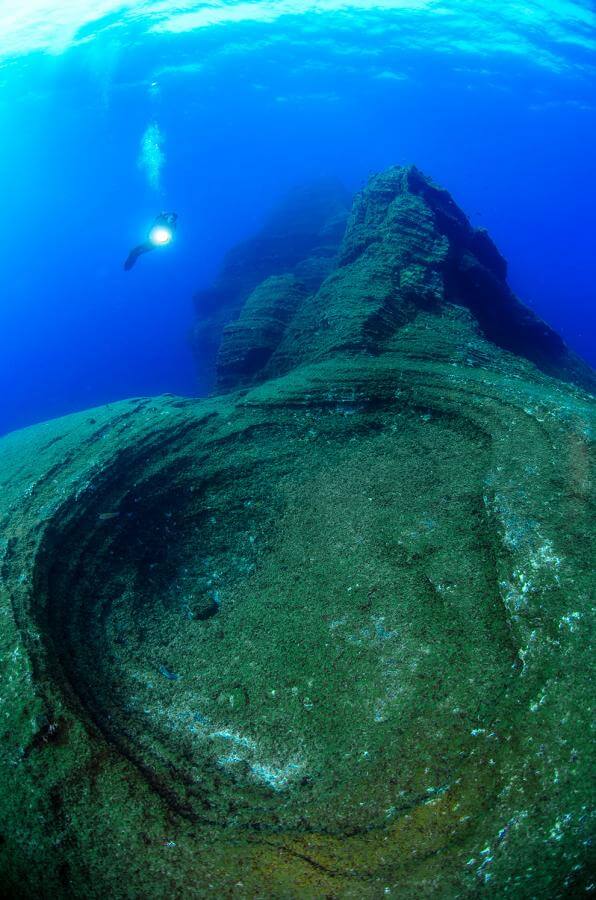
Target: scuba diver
160 234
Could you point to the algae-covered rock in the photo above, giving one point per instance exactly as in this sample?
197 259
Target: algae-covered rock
324 636
300 237
249 342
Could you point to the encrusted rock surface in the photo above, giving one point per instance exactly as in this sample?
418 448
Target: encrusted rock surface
409 249
326 635
300 237
249 342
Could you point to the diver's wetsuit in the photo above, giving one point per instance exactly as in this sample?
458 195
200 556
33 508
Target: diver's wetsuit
168 220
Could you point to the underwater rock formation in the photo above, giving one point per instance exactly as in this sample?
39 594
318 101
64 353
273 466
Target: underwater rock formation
326 634
301 237
249 343
408 250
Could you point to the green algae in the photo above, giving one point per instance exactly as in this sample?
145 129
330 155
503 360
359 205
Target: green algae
325 637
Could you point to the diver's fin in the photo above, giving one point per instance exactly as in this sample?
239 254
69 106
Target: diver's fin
134 254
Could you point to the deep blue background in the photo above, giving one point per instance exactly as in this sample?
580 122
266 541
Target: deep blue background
513 141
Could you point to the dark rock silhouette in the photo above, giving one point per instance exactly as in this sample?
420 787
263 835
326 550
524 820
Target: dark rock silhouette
249 343
408 249
300 237
327 632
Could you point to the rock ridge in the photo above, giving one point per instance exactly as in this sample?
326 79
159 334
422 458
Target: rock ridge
328 632
407 249
301 236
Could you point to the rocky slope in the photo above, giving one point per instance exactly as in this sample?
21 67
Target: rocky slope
301 237
409 255
326 634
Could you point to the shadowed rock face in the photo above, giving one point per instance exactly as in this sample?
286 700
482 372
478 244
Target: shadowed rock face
329 633
249 343
408 249
300 237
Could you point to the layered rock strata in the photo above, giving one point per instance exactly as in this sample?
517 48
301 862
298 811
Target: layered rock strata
409 255
300 237
328 633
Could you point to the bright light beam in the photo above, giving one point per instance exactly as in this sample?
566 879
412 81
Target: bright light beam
160 235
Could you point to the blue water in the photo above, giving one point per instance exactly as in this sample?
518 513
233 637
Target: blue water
216 109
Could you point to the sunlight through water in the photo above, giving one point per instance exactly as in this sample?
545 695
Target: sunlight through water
543 30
